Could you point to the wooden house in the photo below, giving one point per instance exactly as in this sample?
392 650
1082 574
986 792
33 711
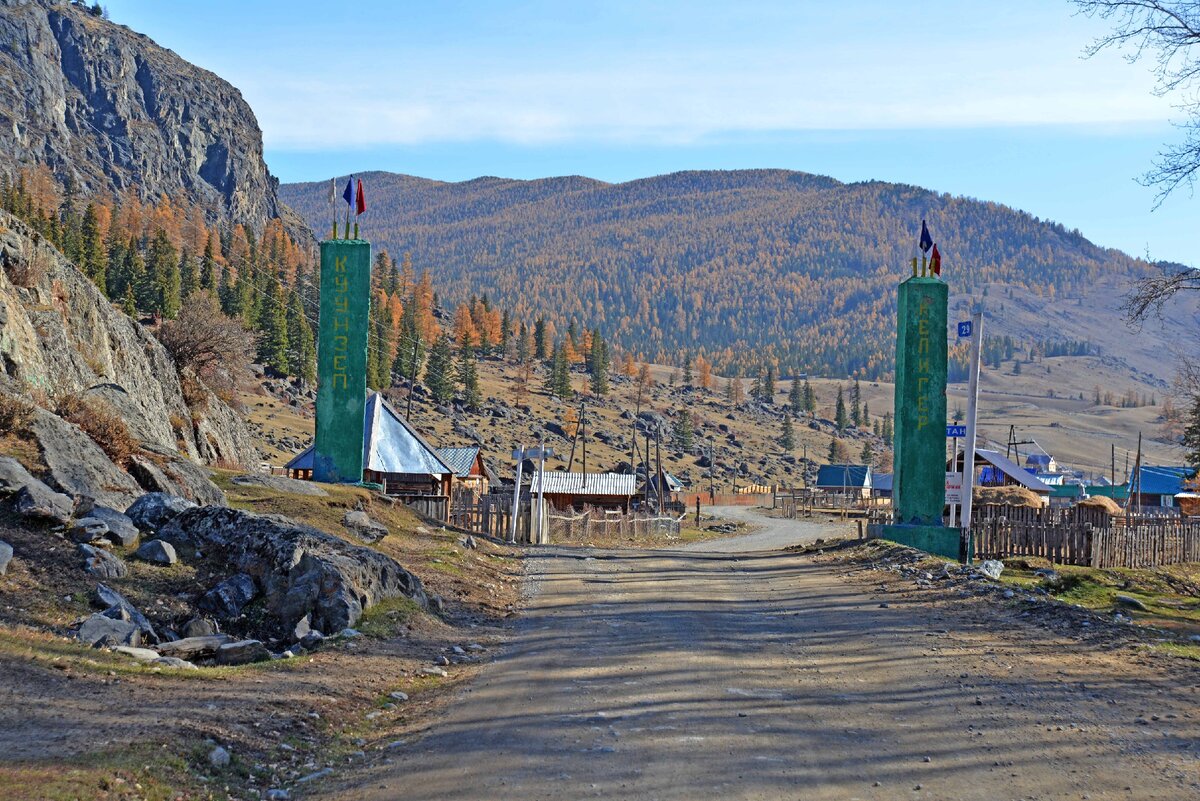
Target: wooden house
574 491
470 471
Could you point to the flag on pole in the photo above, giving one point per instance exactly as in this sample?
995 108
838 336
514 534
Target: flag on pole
360 200
926 239
348 195
935 262
332 189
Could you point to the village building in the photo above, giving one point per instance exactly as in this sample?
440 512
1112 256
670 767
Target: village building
994 469
852 480
396 457
575 491
470 470
1157 485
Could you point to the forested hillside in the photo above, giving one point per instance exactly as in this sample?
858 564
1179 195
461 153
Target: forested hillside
746 267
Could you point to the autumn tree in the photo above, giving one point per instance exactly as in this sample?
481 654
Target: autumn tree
209 342
839 453
704 371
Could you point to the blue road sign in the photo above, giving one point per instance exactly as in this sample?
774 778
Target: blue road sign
964 329
956 431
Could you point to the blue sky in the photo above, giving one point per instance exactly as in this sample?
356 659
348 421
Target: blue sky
984 99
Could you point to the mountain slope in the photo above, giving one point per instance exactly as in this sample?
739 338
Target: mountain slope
750 267
109 109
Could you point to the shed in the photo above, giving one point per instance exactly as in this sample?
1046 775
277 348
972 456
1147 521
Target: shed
577 490
994 469
395 455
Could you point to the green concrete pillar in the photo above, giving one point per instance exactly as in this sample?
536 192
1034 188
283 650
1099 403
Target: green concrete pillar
919 473
342 360
919 483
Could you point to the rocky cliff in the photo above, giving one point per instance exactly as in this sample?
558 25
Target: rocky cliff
110 109
59 336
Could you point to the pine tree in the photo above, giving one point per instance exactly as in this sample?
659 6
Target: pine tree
273 344
810 398
1191 435
835 451
208 270
524 345
226 295
379 346
558 382
410 348
687 370
189 277
437 370
301 348
598 363
787 436
867 456
888 432
94 260
468 376
115 279
135 274
505 329
866 414
768 386
128 302
840 419
856 404
795 397
539 340
682 431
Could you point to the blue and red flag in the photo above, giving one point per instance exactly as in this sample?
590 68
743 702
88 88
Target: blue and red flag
926 239
935 262
348 195
360 200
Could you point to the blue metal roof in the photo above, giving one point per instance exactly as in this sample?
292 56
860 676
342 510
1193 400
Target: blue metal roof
1163 480
835 476
881 482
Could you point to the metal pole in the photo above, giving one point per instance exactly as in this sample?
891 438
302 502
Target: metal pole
541 521
412 379
519 453
712 469
968 483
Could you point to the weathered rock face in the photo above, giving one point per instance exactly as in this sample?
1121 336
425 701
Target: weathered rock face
107 106
299 570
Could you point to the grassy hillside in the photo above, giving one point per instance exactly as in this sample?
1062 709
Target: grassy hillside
748 267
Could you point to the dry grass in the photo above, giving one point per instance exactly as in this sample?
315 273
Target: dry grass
15 414
100 422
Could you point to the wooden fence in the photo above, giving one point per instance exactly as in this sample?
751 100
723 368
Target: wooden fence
724 499
607 523
491 515
1084 536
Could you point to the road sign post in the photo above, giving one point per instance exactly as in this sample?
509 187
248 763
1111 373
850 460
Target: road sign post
972 420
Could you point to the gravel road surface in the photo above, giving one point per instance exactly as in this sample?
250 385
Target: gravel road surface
703 674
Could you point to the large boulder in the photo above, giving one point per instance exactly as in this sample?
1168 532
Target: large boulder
172 474
77 465
102 564
13 476
242 652
193 648
6 554
39 502
158 552
300 570
154 510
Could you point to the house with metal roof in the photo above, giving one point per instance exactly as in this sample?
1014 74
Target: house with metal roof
576 490
1157 485
395 456
470 470
854 479
994 469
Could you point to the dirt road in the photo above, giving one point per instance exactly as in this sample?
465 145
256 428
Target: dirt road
694 675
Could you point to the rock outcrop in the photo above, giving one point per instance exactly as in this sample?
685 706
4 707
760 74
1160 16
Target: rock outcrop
298 571
60 336
110 109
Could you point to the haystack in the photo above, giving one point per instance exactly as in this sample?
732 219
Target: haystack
1007 496
1102 502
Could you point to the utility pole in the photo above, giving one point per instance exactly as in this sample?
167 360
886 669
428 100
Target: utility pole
583 435
968 482
1112 468
658 479
574 439
519 455
648 463
542 536
412 380
712 469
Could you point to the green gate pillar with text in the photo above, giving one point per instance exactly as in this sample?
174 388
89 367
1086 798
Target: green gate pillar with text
342 360
919 478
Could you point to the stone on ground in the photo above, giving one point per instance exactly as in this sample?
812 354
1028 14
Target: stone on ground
6 554
218 757
158 552
992 568
154 510
100 629
140 654
121 530
108 598
39 502
102 564
88 529
280 484
242 652
174 662
192 648
77 465
360 524
226 600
